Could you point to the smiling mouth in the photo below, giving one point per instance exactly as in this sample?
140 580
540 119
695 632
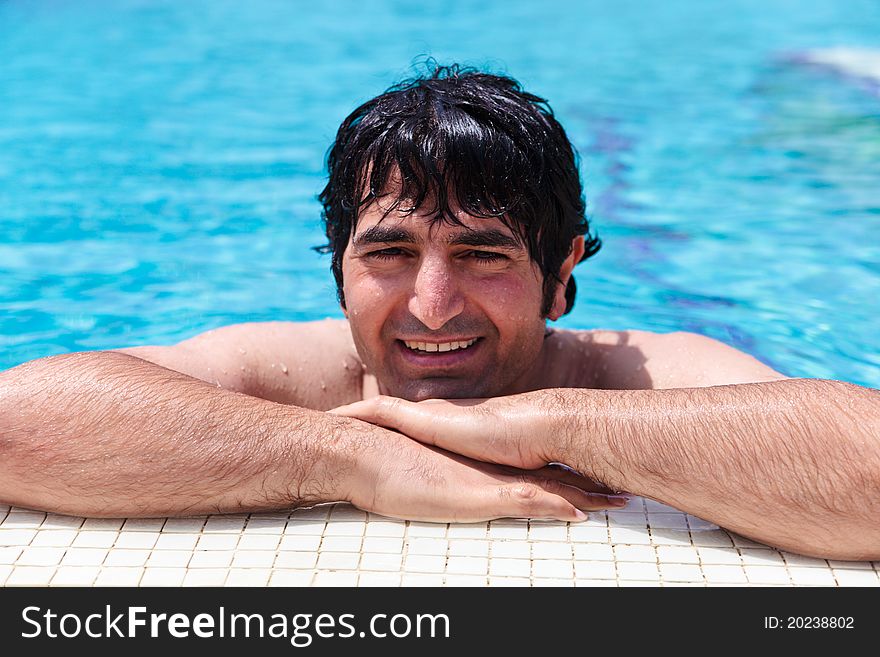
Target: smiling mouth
436 347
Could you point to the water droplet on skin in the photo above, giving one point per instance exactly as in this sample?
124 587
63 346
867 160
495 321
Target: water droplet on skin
242 351
262 429
323 386
272 366
241 368
284 368
345 364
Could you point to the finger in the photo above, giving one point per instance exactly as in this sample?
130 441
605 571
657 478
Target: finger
399 414
572 478
545 498
582 499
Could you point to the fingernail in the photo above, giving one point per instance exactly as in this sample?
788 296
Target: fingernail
579 516
618 500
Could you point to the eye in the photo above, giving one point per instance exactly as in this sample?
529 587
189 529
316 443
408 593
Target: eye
487 256
386 254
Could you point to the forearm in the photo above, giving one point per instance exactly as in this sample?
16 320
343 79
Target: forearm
106 434
794 463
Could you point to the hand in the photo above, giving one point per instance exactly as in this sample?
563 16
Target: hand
399 477
510 430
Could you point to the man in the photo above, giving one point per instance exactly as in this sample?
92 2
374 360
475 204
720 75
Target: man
455 218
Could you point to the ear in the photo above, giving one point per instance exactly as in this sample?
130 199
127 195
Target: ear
574 257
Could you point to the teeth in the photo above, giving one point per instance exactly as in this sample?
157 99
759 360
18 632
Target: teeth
444 346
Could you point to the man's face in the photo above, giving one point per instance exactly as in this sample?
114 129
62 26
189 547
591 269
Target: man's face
444 311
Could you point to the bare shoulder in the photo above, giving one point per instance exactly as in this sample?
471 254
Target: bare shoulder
309 364
643 360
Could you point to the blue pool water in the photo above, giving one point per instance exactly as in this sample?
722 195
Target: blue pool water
159 163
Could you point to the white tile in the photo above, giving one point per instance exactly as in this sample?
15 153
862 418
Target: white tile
411 579
800 560
668 584
716 556
501 530
291 578
169 558
638 583
632 570
698 524
743 542
386 529
40 556
424 563
582 534
30 576
510 581
224 525
552 581
9 555
129 558
379 561
102 524
627 535
677 554
119 576
163 576
211 559
23 520
467 548
806 576
473 531
261 525
717 538
347 513
217 542
767 575
851 565
731 574
593 552
299 560
177 541
259 541
654 506
205 577
183 525
248 577
95 539
5 571
300 543
306 527
340 578
136 540
345 529
553 568
681 572
761 557
668 521
595 570
75 576
379 579
253 559
467 565
16 536
54 538
84 556
547 531
143 525
594 583
856 577
56 521
618 519
551 551
635 553
511 549
670 537
426 530
427 546
383 544
341 544
338 560
510 567
466 580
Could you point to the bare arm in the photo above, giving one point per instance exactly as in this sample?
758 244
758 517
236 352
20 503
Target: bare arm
110 434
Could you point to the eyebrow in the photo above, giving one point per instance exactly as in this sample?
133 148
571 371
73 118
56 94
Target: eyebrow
491 237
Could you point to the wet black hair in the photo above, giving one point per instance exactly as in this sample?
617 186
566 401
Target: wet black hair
460 138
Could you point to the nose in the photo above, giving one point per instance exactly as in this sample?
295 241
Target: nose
436 297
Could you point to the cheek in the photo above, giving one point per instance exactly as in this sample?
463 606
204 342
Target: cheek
368 299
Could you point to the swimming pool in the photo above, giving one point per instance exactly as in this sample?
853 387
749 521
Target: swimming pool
159 163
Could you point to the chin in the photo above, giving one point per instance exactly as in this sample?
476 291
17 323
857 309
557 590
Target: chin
439 389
